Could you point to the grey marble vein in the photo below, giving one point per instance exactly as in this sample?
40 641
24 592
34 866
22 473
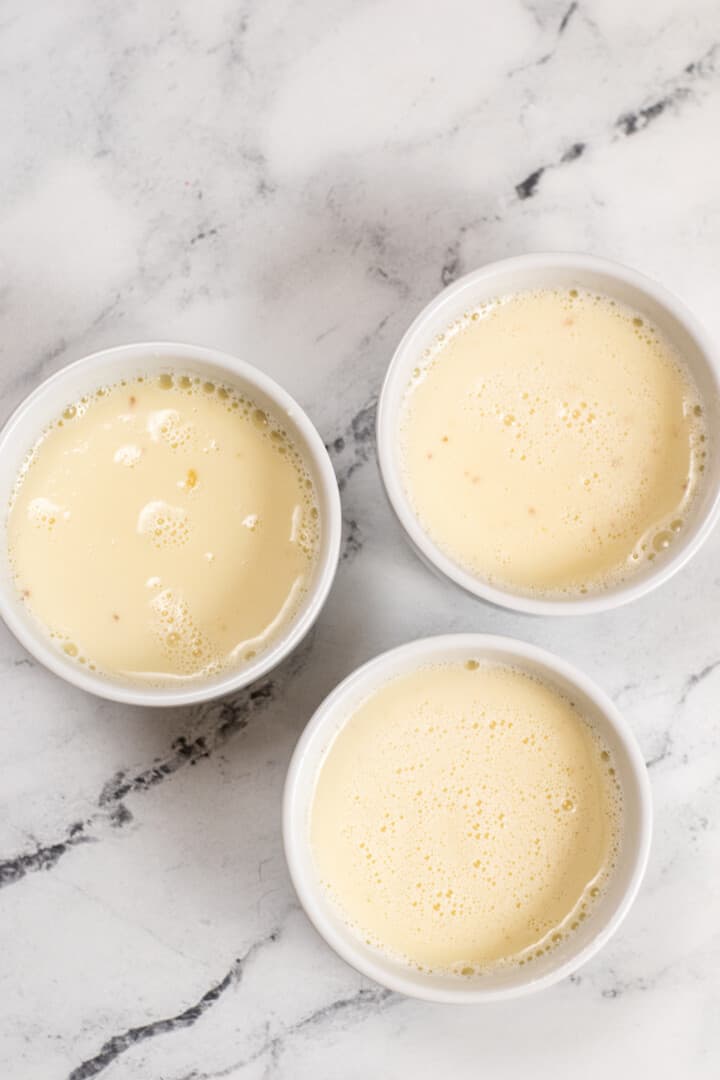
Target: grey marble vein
695 678
119 1044
366 1002
42 856
220 722
547 56
633 121
355 446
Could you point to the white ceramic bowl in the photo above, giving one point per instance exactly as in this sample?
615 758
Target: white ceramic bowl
46 403
590 936
546 271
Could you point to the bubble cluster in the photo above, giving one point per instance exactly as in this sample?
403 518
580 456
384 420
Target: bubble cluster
165 525
168 426
44 513
128 455
180 638
70 648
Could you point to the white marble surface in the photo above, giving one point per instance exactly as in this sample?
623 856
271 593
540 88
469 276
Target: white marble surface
291 182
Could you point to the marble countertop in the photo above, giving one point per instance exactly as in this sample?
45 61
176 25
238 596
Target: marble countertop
292 182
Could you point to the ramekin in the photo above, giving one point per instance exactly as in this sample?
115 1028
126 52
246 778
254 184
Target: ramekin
46 403
511 982
547 271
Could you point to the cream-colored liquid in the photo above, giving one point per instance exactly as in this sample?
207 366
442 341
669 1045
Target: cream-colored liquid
466 816
552 442
163 529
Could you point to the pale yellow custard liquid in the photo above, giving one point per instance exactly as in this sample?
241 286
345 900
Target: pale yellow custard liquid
164 529
466 817
552 442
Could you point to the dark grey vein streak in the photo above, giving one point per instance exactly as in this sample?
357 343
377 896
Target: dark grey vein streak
452 266
631 122
366 1002
695 679
546 57
528 187
119 1044
692 681
622 986
706 64
353 539
232 716
43 857
566 18
356 445
663 753
223 720
349 452
203 234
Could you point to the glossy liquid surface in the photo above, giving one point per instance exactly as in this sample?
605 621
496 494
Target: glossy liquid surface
164 529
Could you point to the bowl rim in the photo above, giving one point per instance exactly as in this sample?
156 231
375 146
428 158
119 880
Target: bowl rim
386 436
324 474
382 668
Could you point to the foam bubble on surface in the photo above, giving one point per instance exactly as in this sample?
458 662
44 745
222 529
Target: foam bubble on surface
168 426
180 637
43 513
127 455
165 525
